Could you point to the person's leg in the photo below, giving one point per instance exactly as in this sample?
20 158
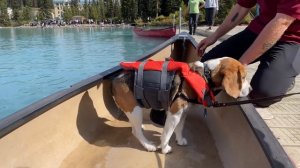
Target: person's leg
191 22
214 12
276 72
206 15
195 23
233 47
209 14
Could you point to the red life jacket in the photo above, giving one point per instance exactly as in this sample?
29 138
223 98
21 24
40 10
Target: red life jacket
196 81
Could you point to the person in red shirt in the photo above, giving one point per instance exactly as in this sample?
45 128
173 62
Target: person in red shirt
272 37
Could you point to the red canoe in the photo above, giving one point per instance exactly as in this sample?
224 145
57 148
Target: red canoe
164 32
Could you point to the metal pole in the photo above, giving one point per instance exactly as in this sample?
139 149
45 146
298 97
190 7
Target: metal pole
179 19
174 21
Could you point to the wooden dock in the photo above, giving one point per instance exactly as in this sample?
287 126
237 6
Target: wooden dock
283 118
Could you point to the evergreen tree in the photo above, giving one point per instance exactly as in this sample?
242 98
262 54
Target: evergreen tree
93 11
14 4
16 15
35 3
140 7
224 8
165 8
152 8
129 10
101 9
125 9
4 19
45 9
67 15
26 14
110 9
133 11
169 6
85 11
28 3
117 9
74 7
148 9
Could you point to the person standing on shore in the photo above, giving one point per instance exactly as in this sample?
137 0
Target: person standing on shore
193 8
211 9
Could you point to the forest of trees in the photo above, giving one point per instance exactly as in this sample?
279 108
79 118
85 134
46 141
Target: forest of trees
98 10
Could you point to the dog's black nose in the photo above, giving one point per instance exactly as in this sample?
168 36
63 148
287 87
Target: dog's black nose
158 116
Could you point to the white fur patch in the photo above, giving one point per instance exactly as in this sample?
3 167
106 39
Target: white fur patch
172 122
246 89
136 119
212 64
199 64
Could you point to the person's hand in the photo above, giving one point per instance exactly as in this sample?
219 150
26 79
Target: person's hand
204 44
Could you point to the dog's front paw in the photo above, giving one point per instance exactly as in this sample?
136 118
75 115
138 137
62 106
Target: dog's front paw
166 149
150 147
182 141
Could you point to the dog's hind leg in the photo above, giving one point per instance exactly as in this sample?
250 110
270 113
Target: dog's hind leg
171 123
136 118
178 130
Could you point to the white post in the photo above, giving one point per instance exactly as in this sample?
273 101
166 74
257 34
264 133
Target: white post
179 19
174 21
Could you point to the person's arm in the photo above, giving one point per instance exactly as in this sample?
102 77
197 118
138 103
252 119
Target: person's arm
235 16
201 4
271 33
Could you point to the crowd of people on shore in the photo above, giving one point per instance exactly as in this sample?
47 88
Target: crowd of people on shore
44 25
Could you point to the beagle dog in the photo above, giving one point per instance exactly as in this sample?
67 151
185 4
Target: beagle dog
226 73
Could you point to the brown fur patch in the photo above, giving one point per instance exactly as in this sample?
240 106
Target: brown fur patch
122 92
180 103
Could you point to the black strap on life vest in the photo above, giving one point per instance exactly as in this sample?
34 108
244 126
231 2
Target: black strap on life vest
163 93
207 76
138 87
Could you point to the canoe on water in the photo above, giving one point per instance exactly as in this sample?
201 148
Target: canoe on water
162 32
82 127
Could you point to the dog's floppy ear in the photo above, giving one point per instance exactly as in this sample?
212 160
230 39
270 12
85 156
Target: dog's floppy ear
232 79
231 83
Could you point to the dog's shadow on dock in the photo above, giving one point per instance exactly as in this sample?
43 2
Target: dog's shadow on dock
103 132
113 139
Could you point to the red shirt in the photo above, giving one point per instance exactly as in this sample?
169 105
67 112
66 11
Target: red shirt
268 10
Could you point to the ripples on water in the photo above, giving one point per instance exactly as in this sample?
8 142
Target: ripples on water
35 62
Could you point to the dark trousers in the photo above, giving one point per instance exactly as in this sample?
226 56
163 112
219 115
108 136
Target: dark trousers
210 14
193 21
278 66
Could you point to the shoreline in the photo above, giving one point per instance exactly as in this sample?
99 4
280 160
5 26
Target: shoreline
74 26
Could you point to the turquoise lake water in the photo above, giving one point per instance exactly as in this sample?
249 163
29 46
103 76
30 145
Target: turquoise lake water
36 62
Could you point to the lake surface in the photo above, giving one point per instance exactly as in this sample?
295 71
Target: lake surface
36 62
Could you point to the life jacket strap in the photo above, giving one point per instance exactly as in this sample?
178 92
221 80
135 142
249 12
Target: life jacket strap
164 94
138 86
